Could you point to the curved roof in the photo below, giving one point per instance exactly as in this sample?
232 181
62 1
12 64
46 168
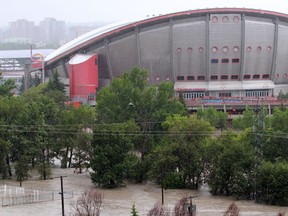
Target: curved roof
103 32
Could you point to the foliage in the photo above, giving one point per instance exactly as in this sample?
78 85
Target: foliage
244 121
215 118
279 120
110 157
130 97
6 87
231 171
77 143
21 88
275 137
55 84
282 95
179 159
56 89
40 116
273 180
134 210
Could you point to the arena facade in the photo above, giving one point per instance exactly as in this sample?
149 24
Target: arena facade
209 53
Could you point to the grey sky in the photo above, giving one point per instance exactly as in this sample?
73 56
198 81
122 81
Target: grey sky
118 10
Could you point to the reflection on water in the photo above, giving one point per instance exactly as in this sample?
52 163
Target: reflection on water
120 200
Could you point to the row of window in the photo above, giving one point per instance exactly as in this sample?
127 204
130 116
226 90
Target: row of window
264 93
223 77
225 49
225 19
200 94
225 60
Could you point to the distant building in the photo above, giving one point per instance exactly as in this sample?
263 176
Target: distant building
52 30
13 63
76 31
21 29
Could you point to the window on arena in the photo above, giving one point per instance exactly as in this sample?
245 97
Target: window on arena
214 49
225 49
247 76
256 76
236 60
190 78
224 94
265 76
214 61
91 96
234 77
269 48
180 77
225 60
224 77
214 77
201 77
235 49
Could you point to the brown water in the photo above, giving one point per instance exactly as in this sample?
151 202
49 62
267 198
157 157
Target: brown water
119 201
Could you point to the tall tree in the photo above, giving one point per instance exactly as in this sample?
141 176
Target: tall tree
55 83
111 146
130 97
180 159
232 165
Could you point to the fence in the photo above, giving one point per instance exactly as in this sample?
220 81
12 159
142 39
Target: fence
11 195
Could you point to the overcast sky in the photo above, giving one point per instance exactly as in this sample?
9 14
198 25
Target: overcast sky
117 10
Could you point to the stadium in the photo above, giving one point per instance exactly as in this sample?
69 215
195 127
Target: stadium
233 54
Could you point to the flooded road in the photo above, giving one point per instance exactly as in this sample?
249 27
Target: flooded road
120 200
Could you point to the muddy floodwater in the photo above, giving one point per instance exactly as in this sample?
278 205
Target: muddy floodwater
119 201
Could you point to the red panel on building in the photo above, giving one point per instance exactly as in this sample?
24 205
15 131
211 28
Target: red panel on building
83 74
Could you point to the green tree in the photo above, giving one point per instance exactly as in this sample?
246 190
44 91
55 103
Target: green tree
216 118
180 159
273 180
55 89
41 117
112 145
10 110
244 121
55 84
232 163
130 97
275 137
134 210
76 144
6 86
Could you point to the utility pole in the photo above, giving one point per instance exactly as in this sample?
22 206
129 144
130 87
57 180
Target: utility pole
162 186
258 129
62 194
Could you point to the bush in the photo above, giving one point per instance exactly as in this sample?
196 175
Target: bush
273 183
